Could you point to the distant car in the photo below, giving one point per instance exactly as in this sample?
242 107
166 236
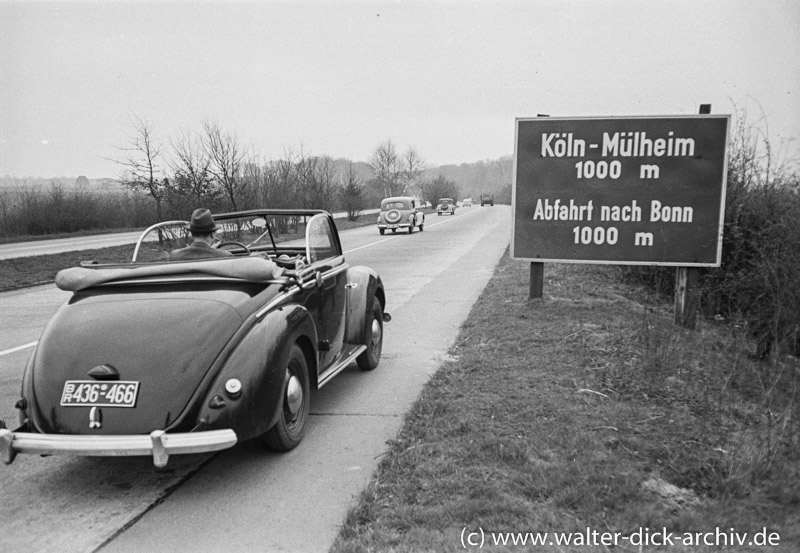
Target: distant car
446 205
467 202
400 213
159 357
487 199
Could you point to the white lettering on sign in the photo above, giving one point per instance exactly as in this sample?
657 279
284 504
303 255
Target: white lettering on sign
563 144
667 214
562 212
625 213
618 144
632 144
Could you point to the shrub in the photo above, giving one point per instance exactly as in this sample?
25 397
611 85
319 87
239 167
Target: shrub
755 285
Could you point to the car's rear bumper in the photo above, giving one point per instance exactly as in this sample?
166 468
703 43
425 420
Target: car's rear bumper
394 225
158 443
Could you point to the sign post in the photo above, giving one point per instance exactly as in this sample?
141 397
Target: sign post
537 270
686 279
619 190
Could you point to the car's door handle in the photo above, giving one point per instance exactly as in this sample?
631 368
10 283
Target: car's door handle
324 284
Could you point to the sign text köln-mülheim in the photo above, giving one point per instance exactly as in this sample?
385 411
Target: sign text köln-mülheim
621 190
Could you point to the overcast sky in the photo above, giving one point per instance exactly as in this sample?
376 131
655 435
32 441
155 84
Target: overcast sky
339 77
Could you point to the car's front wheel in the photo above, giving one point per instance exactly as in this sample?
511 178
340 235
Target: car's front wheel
372 356
288 431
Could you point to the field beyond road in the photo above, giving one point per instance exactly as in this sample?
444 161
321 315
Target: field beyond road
589 413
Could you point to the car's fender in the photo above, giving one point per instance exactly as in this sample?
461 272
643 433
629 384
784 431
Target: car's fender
363 284
258 362
26 400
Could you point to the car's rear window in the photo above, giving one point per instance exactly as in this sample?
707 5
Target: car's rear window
394 205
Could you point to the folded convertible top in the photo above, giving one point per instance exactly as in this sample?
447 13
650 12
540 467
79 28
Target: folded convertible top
251 269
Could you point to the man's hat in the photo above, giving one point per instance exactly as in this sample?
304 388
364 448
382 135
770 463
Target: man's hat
203 221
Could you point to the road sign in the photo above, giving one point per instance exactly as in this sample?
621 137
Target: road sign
620 190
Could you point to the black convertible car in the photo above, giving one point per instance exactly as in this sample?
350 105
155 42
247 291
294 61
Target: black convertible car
159 357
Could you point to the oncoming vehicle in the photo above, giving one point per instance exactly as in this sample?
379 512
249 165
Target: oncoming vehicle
158 357
400 213
487 199
445 205
467 202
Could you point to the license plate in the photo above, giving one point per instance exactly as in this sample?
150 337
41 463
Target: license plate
391 226
90 393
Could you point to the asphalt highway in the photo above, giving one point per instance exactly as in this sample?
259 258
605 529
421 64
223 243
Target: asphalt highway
247 498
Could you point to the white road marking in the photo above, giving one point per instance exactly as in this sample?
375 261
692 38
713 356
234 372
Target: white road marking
18 348
368 245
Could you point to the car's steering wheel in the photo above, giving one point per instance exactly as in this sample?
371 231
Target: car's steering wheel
233 243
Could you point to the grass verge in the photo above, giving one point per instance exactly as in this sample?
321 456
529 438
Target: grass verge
589 409
19 272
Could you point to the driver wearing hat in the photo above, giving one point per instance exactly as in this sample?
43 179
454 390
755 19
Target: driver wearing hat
202 227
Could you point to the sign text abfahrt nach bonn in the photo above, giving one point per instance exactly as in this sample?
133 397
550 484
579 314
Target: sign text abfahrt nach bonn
620 190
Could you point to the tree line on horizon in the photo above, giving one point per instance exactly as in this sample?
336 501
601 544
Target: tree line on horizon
166 179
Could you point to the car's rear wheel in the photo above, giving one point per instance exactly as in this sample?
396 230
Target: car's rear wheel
372 356
381 231
288 431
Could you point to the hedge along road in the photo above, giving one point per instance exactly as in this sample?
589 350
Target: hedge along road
247 498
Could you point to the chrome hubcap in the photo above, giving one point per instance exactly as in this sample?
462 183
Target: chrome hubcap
376 331
294 395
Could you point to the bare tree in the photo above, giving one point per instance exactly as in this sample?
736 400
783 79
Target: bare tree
352 194
6 202
388 168
191 168
256 175
141 162
282 179
324 186
413 166
226 160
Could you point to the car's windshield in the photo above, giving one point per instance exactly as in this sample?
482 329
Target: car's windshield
274 234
